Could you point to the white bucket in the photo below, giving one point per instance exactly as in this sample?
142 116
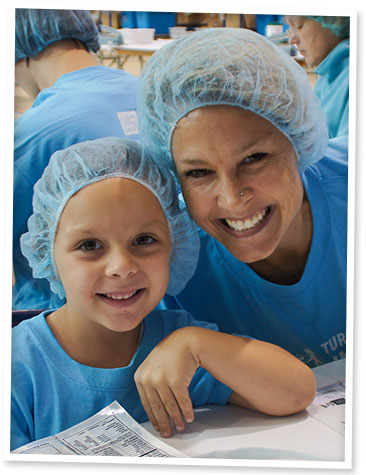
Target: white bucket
137 35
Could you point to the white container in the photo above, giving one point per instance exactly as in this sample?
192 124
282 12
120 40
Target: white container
137 35
273 29
177 31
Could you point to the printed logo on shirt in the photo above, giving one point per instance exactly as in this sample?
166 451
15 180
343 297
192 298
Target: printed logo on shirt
334 343
334 348
128 120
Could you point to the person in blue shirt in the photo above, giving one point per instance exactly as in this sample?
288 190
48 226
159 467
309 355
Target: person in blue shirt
324 43
75 99
109 233
242 130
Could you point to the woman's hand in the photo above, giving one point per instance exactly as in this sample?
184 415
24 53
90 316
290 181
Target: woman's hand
163 379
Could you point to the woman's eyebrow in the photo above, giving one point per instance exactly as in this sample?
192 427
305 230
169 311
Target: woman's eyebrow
192 161
246 148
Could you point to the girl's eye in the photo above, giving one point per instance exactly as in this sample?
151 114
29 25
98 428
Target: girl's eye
255 157
198 173
144 240
90 245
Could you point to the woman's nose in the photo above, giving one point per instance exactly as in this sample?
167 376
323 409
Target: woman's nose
232 195
121 264
292 38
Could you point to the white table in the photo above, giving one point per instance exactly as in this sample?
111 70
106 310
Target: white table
231 432
123 52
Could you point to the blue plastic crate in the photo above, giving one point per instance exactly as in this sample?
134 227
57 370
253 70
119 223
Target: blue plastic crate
128 20
263 20
161 21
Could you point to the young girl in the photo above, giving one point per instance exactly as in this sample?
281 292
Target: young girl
108 233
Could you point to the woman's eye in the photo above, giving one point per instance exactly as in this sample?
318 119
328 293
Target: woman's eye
198 173
144 240
90 246
255 157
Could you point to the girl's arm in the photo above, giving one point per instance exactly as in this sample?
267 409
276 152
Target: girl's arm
263 377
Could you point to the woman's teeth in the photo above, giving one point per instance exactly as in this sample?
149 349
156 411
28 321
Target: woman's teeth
120 297
244 225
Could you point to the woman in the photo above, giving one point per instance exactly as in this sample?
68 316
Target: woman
237 121
324 43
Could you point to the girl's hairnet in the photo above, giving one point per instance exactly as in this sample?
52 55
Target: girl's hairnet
35 29
88 162
338 24
229 66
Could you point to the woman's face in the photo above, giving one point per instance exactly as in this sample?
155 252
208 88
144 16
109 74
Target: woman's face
239 178
312 40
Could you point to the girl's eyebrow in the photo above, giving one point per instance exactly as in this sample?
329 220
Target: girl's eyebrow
76 230
87 232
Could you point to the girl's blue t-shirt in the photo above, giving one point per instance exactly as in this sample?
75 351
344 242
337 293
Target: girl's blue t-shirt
52 392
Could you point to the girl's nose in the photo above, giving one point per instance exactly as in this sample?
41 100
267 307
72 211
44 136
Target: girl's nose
121 264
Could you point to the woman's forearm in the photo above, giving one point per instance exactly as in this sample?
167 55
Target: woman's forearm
264 377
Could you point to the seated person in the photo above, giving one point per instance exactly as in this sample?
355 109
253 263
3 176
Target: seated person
324 43
109 234
75 99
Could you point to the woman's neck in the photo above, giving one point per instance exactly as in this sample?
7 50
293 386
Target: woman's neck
286 264
93 345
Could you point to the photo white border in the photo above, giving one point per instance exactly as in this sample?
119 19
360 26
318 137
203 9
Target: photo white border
355 244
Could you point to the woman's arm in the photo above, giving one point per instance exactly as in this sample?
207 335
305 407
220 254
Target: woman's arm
263 377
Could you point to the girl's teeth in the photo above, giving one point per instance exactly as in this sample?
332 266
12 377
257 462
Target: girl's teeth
244 225
125 297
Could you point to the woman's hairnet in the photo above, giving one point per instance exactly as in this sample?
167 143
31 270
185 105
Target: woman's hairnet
338 24
88 162
229 66
35 29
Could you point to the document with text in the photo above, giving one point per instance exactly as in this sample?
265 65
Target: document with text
328 406
112 431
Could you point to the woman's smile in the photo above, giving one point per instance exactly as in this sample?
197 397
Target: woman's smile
253 223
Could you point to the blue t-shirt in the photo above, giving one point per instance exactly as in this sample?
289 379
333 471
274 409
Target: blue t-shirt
52 392
308 318
86 104
332 88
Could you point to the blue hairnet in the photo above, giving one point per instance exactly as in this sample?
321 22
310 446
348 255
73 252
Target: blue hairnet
35 29
229 66
85 163
338 24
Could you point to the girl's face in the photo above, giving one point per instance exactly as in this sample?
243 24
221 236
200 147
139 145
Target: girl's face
239 178
112 251
312 40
